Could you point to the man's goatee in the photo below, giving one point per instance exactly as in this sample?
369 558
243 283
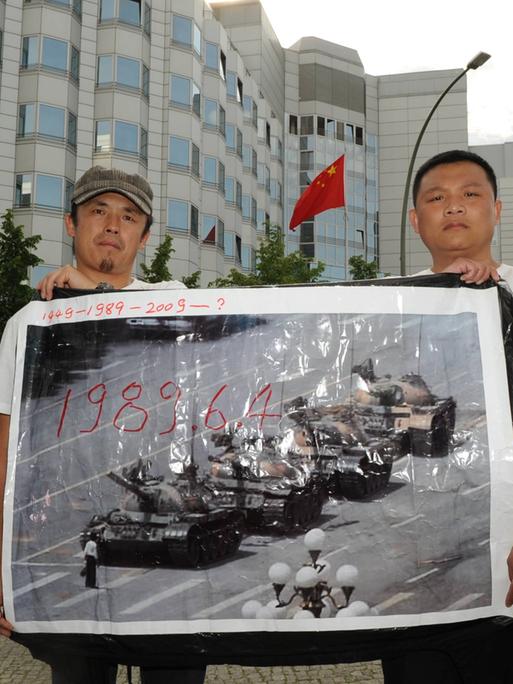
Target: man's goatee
106 265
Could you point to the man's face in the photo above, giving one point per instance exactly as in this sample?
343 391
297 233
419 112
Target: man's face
456 212
108 233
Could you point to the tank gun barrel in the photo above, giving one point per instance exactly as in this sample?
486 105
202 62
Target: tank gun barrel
131 486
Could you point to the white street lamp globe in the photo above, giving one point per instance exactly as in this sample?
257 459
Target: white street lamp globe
306 577
278 611
279 573
324 573
314 540
358 608
250 609
264 613
343 613
347 575
303 615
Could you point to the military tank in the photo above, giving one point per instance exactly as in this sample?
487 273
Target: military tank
164 523
272 493
405 410
353 464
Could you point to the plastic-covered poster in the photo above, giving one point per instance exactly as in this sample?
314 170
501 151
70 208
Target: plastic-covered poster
266 460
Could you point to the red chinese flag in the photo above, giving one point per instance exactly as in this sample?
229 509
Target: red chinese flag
326 191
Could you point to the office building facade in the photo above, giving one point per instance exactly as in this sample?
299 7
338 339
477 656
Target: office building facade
227 125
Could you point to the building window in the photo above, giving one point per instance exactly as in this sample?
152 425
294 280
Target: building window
147 19
246 257
126 11
276 191
72 129
194 221
180 90
49 191
239 143
250 109
212 56
249 159
246 207
276 148
231 84
220 177
51 121
229 190
210 170
27 120
23 190
145 81
208 229
126 137
307 125
103 140
230 137
105 72
185 32
229 239
143 145
358 135
123 71
75 63
222 121
54 54
30 51
195 160
128 72
130 11
184 93
292 124
210 111
178 215
179 151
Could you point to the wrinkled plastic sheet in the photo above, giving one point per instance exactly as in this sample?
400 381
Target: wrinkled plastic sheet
196 436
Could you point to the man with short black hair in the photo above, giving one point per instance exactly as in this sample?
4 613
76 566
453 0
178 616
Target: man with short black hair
110 218
455 213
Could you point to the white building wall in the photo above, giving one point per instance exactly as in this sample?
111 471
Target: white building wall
405 101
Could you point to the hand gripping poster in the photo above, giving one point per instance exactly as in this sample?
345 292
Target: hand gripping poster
278 460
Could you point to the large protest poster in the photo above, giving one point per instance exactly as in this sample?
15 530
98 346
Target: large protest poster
379 415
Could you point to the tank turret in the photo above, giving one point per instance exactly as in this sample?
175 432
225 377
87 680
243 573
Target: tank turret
272 492
333 439
405 410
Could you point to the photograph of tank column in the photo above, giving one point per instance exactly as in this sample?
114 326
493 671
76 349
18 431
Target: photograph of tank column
199 451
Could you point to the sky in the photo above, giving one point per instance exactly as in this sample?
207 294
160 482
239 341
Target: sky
396 36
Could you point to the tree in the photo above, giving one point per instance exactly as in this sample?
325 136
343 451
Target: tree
273 266
361 269
192 281
16 258
158 270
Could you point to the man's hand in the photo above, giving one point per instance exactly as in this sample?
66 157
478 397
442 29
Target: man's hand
472 271
65 277
509 595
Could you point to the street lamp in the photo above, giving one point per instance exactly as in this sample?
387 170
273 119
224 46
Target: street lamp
474 63
313 588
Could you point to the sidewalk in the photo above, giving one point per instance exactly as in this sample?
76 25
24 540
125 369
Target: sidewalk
18 667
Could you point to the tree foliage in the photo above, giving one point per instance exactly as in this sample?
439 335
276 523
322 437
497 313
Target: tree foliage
361 269
192 281
16 257
273 266
158 269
